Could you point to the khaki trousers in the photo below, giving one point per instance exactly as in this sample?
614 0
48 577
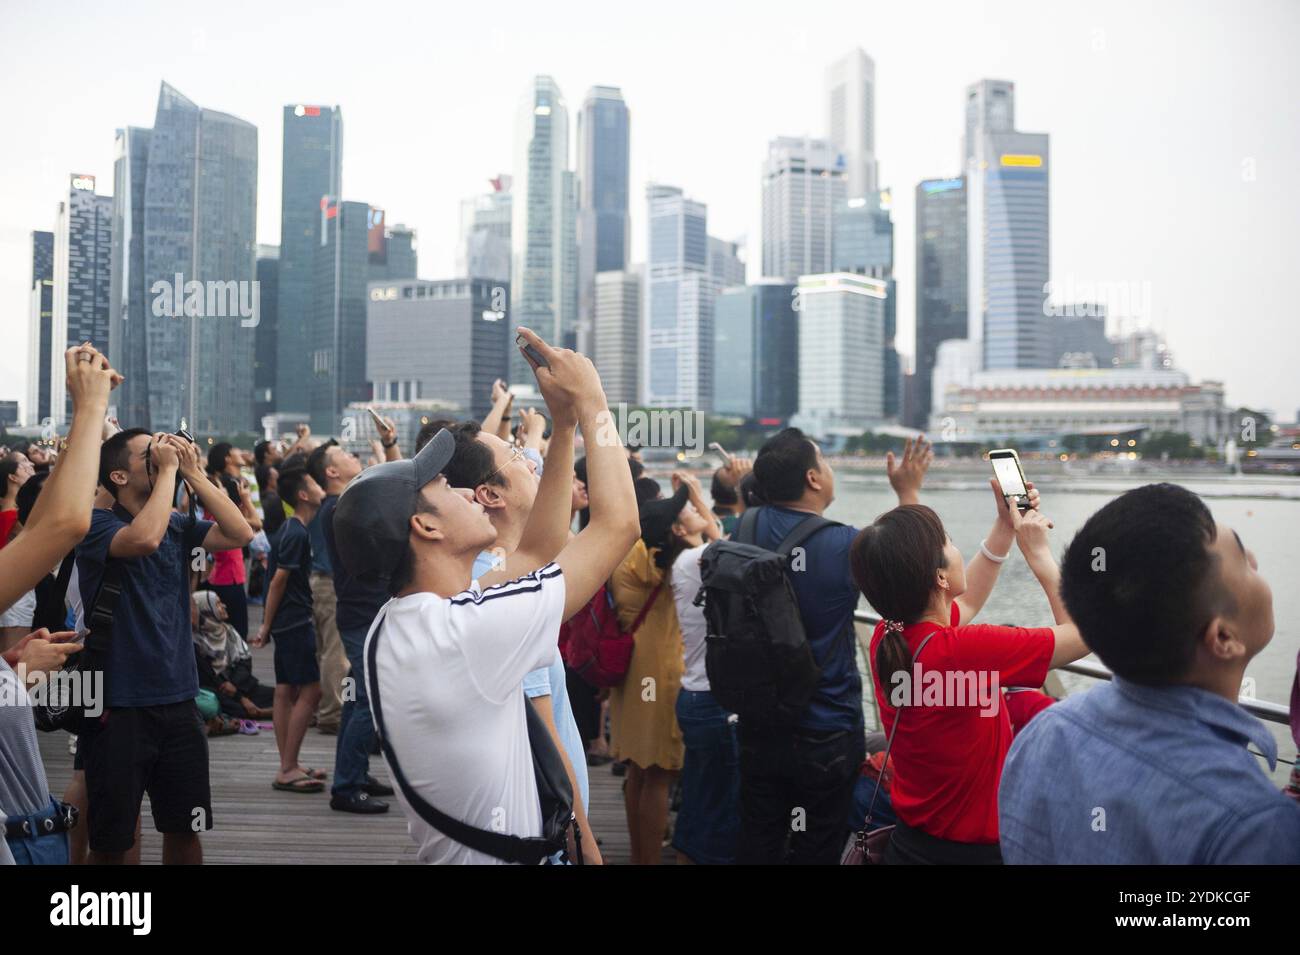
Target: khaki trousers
329 652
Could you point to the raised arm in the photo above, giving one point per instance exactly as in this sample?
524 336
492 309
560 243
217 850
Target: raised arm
61 516
499 416
712 529
981 570
589 558
231 531
1031 535
907 476
149 526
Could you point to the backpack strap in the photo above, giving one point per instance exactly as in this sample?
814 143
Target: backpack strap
645 608
523 850
889 743
805 529
748 526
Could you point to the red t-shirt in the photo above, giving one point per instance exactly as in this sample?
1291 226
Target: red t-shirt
947 757
7 521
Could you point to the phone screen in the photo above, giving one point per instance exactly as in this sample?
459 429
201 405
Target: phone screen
1008 475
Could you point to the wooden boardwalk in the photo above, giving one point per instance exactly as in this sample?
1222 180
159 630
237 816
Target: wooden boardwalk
255 824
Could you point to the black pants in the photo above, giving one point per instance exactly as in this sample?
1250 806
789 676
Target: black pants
908 846
796 787
586 708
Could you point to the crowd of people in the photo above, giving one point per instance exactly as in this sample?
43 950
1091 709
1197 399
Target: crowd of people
500 616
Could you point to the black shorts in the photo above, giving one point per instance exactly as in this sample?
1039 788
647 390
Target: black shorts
295 656
159 750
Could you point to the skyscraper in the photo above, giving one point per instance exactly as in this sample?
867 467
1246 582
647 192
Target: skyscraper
129 295
542 218
841 353
803 183
83 242
183 288
40 331
484 248
851 118
339 301
940 280
677 331
1008 249
392 248
311 169
617 333
265 354
725 263
864 245
756 341
604 226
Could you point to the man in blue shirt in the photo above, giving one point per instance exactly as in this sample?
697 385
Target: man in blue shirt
151 738
1154 768
796 782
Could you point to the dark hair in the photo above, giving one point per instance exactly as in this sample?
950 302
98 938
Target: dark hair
292 481
723 494
28 493
296 460
8 468
217 455
893 562
782 465
637 467
318 461
647 489
472 461
405 569
262 474
273 517
1141 583
749 492
114 455
429 429
260 451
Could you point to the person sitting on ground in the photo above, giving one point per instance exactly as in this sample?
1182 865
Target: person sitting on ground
938 678
225 663
1155 766
288 621
446 658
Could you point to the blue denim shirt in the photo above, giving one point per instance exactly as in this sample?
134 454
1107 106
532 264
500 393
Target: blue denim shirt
1126 773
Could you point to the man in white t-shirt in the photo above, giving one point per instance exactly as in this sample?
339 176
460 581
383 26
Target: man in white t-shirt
445 659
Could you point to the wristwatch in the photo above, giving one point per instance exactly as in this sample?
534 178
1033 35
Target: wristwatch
387 444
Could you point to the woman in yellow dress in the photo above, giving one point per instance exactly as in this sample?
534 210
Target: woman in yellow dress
642 711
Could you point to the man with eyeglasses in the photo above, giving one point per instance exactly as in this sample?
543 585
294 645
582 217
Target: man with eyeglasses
151 737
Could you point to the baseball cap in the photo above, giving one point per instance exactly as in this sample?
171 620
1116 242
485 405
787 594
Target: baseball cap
658 517
373 514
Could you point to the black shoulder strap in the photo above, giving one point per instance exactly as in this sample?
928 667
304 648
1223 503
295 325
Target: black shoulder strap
748 526
805 529
524 850
65 575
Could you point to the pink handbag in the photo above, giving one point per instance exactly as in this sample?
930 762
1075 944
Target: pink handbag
868 846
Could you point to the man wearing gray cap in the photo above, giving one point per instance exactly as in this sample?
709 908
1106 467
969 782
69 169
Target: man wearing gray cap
445 659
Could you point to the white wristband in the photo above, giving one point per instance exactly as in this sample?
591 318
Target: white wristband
984 549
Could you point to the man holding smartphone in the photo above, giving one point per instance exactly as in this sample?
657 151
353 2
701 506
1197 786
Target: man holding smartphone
151 738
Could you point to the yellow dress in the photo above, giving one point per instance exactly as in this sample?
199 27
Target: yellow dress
642 711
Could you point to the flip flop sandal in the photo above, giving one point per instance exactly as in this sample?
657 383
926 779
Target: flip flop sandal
319 774
297 785
248 728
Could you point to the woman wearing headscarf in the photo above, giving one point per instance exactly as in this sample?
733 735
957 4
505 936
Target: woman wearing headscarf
225 662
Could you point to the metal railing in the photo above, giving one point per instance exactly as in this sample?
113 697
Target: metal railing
1264 709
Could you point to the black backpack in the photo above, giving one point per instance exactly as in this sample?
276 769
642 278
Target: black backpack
757 655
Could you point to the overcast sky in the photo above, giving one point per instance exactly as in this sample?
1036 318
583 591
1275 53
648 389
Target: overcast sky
1175 125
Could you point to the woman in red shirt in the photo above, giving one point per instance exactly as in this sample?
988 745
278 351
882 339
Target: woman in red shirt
954 731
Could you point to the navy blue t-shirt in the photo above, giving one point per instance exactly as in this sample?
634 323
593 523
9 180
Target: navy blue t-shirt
358 600
320 554
151 654
827 597
291 550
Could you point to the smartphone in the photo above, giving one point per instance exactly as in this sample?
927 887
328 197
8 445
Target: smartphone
1010 476
531 352
379 422
714 446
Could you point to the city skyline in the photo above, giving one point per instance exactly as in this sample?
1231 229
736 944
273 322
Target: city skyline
1138 193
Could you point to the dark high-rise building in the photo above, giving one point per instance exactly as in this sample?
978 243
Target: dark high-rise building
604 226
338 326
83 243
1080 333
264 341
40 331
864 245
941 280
446 340
755 341
129 296
392 250
311 176
185 299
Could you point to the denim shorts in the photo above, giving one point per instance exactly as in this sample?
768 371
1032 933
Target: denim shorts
708 823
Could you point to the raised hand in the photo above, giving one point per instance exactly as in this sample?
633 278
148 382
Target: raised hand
1008 513
89 376
570 385
907 476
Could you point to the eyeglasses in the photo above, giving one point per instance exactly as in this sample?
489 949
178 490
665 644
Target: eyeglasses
516 453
